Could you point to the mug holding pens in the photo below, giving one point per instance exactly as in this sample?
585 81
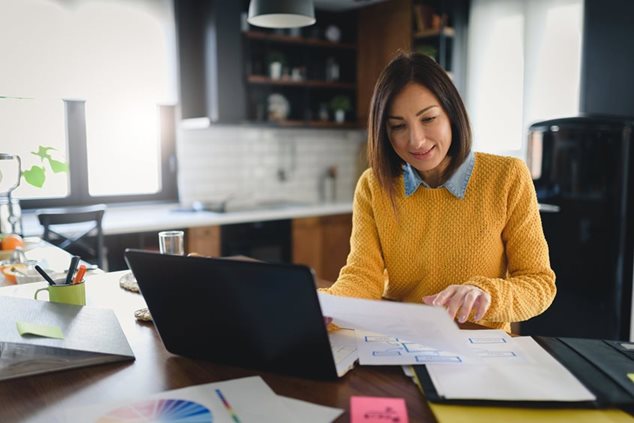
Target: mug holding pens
69 289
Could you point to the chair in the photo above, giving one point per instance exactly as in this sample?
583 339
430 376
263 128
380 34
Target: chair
74 232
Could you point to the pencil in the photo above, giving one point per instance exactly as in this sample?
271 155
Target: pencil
227 406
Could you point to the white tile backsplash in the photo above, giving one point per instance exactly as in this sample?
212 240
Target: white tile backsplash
262 164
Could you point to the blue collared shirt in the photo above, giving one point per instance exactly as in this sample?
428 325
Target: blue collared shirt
456 184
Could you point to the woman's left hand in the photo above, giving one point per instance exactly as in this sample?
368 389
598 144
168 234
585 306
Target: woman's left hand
461 300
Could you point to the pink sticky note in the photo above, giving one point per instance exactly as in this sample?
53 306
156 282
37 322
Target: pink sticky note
377 409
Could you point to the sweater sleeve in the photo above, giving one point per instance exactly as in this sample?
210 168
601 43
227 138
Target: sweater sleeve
529 287
363 274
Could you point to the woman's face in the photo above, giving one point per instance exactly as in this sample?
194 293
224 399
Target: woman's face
420 132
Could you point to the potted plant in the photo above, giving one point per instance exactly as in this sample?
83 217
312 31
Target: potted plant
276 61
340 104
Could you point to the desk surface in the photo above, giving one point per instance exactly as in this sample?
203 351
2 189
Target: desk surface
32 398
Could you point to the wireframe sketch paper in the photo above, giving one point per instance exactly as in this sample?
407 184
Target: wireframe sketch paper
418 323
245 400
539 377
89 336
494 346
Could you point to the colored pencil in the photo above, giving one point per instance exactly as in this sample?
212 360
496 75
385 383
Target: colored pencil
227 406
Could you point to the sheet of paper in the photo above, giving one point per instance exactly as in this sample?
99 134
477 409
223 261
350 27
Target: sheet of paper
47 331
539 377
344 349
250 399
377 409
491 345
418 323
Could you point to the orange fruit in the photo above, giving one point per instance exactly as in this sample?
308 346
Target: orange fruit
11 241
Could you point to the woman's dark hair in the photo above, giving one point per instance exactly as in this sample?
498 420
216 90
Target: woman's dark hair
416 68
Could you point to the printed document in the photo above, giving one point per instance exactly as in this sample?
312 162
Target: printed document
417 323
491 346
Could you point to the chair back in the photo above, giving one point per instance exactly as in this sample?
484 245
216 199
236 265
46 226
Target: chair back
77 230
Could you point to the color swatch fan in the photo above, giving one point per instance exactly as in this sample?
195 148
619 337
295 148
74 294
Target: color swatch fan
160 410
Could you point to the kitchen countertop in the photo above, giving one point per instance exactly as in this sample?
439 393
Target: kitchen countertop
158 217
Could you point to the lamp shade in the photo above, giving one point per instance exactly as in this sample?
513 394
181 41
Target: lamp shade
281 13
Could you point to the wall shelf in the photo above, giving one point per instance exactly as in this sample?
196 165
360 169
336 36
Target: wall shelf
288 39
311 73
265 80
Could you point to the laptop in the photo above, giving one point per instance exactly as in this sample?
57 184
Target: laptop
245 313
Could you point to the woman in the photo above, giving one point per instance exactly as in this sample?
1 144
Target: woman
436 223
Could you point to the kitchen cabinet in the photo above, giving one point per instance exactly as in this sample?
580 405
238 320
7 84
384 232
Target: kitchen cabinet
323 243
204 240
383 29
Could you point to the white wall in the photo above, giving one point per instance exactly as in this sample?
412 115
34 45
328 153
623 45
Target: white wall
245 163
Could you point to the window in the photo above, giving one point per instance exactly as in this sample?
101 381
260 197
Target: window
524 65
117 58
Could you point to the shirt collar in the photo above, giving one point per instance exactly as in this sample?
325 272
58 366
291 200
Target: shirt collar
456 184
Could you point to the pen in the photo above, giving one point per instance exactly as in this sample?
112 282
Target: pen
44 275
71 269
80 274
227 406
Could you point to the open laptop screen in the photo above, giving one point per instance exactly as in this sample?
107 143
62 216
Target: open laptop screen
251 314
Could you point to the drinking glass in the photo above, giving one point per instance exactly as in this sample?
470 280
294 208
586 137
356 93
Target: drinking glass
172 242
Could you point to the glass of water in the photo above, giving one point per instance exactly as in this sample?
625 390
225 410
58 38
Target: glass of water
172 242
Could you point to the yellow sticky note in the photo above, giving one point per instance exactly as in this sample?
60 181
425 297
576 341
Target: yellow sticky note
27 328
631 376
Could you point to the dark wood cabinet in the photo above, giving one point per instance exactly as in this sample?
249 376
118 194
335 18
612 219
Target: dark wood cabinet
323 243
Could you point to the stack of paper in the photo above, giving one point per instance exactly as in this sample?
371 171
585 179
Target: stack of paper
240 400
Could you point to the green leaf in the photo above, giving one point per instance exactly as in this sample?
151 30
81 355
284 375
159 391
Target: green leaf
57 166
42 152
35 176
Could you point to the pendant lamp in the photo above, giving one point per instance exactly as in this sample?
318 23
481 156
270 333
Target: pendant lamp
281 13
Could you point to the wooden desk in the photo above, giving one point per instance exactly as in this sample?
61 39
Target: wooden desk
33 398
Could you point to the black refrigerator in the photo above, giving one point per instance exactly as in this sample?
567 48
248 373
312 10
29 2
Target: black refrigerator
583 170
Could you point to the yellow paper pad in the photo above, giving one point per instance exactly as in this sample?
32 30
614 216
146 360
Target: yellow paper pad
27 328
476 414
631 376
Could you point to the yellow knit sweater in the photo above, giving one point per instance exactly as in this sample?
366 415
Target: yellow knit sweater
492 238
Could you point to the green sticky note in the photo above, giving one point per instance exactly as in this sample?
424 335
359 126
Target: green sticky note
631 376
27 328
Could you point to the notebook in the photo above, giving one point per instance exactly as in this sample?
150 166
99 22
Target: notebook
245 313
84 336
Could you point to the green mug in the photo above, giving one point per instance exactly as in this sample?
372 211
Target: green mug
67 294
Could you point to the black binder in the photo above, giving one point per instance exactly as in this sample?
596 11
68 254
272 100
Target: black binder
601 366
